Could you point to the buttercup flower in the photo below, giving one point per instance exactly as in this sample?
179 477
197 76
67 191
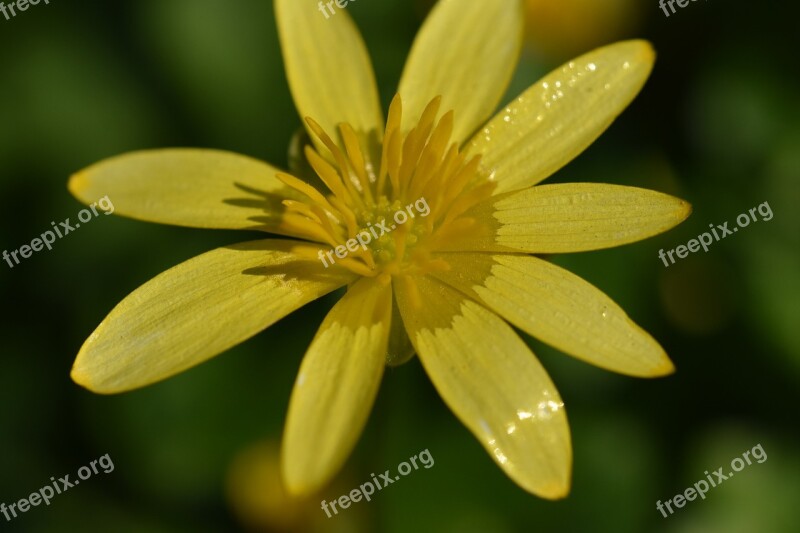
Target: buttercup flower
444 285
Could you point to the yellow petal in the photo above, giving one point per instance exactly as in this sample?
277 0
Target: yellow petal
561 115
560 309
198 309
492 382
186 187
466 51
399 350
329 70
336 386
571 217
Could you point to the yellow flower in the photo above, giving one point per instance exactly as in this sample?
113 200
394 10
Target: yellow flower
450 282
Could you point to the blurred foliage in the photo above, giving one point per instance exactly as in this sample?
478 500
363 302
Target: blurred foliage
718 124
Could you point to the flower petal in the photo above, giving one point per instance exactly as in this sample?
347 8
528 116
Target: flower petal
329 70
186 187
400 350
466 51
198 309
571 217
558 308
560 116
336 386
492 382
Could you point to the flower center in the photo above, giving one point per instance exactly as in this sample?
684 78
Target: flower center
387 222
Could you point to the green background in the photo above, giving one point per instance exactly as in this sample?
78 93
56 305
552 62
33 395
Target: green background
717 124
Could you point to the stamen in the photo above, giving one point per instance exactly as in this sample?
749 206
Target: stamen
466 201
392 130
304 188
394 157
302 209
350 182
420 165
301 225
356 158
327 174
432 155
348 215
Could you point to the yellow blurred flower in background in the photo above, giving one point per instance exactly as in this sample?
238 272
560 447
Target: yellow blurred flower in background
258 499
559 29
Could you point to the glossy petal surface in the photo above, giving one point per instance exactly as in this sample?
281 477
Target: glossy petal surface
571 217
560 309
561 115
492 382
336 386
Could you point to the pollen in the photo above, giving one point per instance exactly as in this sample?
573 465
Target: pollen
418 168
